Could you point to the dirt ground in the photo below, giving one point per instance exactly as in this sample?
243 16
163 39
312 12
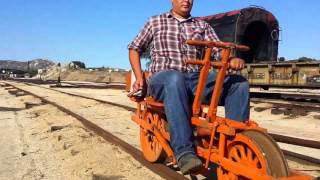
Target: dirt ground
302 126
34 147
36 151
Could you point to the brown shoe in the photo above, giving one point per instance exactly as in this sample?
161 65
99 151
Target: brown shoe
189 163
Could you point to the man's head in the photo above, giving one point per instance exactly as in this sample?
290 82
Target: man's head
182 8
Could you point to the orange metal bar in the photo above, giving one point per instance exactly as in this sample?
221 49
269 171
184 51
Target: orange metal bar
195 61
226 130
150 101
239 125
213 132
201 122
229 165
207 43
239 169
214 64
203 132
222 144
128 81
212 112
202 82
224 45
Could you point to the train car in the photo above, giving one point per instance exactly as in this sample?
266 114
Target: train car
283 74
254 27
259 29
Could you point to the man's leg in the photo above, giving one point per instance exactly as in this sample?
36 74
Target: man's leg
234 95
170 87
236 98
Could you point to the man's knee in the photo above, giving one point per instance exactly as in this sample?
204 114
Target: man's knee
239 82
175 79
244 85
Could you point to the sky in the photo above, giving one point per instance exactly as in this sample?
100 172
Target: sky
97 32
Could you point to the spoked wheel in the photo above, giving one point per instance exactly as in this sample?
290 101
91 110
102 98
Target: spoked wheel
255 150
151 147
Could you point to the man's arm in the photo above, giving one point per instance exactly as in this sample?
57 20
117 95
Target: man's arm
136 47
134 58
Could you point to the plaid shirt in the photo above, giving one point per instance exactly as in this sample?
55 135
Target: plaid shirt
166 36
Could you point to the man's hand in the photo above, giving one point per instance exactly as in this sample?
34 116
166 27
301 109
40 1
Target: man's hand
138 85
236 63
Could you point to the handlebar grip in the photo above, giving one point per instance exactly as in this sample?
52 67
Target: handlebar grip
207 43
196 42
242 48
223 45
238 47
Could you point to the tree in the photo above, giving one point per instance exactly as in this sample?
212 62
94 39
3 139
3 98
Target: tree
33 72
78 64
281 59
305 59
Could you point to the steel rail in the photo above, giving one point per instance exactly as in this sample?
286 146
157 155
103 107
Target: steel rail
54 83
92 86
160 169
301 106
90 98
306 86
301 156
295 141
286 96
277 137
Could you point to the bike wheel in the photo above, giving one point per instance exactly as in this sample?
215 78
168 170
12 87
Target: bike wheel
256 150
151 148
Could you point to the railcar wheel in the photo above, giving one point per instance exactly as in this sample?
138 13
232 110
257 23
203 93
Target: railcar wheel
256 150
151 148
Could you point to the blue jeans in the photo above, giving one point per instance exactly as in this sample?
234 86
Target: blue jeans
176 90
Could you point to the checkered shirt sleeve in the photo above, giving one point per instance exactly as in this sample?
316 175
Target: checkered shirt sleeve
143 39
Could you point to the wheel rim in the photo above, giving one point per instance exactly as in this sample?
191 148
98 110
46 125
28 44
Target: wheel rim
243 154
151 147
256 150
244 151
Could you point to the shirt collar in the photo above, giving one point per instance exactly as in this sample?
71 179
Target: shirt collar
170 15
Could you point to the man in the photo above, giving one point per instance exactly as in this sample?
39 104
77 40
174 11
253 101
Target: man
174 83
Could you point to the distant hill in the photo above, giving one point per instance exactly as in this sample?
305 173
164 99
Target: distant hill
19 65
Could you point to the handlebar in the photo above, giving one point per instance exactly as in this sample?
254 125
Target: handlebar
224 45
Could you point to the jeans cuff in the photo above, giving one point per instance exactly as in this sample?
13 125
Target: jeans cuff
184 153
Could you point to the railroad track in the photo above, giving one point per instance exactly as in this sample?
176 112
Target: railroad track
162 170
277 137
68 84
313 100
307 102
300 97
288 105
290 101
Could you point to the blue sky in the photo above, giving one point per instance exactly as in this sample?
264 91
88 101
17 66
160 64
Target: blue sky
97 31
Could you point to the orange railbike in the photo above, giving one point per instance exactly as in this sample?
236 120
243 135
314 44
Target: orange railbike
241 150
